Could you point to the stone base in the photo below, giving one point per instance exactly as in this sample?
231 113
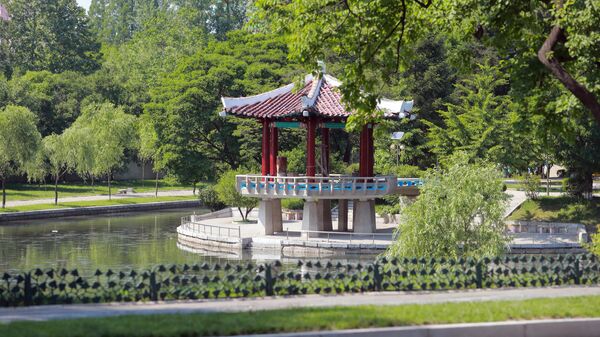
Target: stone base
364 216
325 223
342 215
269 216
310 216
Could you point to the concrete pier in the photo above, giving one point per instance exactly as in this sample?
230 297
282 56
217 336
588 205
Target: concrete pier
364 216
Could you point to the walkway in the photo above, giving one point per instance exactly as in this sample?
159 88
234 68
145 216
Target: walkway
17 203
50 312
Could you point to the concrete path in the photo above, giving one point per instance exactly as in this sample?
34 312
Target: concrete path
16 203
516 199
50 312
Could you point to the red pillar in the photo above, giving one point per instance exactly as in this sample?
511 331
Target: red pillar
325 150
265 147
310 146
366 155
273 147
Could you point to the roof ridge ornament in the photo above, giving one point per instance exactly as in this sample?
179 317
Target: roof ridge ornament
308 101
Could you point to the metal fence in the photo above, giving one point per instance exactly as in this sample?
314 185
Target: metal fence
171 282
199 228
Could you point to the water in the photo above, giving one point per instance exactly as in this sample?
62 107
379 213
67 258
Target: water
133 240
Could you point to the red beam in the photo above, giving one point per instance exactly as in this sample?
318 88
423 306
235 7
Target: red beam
273 147
265 147
310 147
366 155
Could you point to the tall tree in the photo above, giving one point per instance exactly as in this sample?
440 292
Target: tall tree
57 153
19 142
51 35
113 132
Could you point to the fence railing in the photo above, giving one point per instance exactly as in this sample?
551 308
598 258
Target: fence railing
189 225
329 236
334 187
178 282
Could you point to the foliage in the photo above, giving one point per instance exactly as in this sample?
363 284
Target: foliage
228 194
112 132
459 212
210 198
292 204
480 123
560 209
19 142
51 35
195 142
179 282
58 154
532 185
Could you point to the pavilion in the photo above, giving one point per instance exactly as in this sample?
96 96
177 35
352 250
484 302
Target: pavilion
317 107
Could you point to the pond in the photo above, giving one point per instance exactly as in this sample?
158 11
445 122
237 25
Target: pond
118 241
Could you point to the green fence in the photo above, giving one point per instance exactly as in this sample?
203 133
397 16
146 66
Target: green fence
249 279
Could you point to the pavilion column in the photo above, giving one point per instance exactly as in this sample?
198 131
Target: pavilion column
265 170
325 223
311 135
273 149
364 209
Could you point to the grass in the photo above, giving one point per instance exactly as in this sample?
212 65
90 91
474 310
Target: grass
308 319
560 209
76 204
46 191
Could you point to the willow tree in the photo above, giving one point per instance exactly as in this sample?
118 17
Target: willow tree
57 154
112 133
19 142
460 212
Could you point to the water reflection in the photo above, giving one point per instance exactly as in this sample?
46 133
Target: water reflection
118 241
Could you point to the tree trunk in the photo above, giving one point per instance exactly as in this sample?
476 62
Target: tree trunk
93 188
582 93
156 189
143 172
109 190
242 214
56 189
194 190
3 192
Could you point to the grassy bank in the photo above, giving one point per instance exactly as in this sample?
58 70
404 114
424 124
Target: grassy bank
560 209
121 201
293 320
34 191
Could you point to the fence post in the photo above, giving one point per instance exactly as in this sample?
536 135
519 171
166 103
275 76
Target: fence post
269 280
577 271
27 290
377 276
153 287
479 273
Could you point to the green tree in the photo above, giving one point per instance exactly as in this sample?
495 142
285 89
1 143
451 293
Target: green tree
148 147
58 156
51 35
479 124
459 212
195 142
19 142
228 194
113 132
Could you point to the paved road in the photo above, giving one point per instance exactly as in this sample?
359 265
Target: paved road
50 312
16 203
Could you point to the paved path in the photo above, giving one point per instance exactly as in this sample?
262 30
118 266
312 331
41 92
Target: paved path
50 312
516 199
17 203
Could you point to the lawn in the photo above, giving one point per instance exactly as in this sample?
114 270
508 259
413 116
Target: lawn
46 191
120 201
560 209
309 319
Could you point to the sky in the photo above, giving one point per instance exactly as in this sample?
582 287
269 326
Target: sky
84 3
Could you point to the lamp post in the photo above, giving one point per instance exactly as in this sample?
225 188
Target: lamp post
398 136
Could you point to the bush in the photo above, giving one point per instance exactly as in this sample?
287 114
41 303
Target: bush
229 195
210 199
532 184
460 212
292 204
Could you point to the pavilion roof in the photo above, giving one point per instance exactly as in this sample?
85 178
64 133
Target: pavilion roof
319 96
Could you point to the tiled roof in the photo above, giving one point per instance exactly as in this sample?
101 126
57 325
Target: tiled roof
318 97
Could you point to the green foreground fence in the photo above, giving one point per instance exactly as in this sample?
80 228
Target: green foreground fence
248 279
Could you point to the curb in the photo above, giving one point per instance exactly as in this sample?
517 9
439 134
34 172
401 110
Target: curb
576 327
94 210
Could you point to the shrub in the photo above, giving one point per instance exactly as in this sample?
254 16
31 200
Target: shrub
229 195
292 204
210 199
532 184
